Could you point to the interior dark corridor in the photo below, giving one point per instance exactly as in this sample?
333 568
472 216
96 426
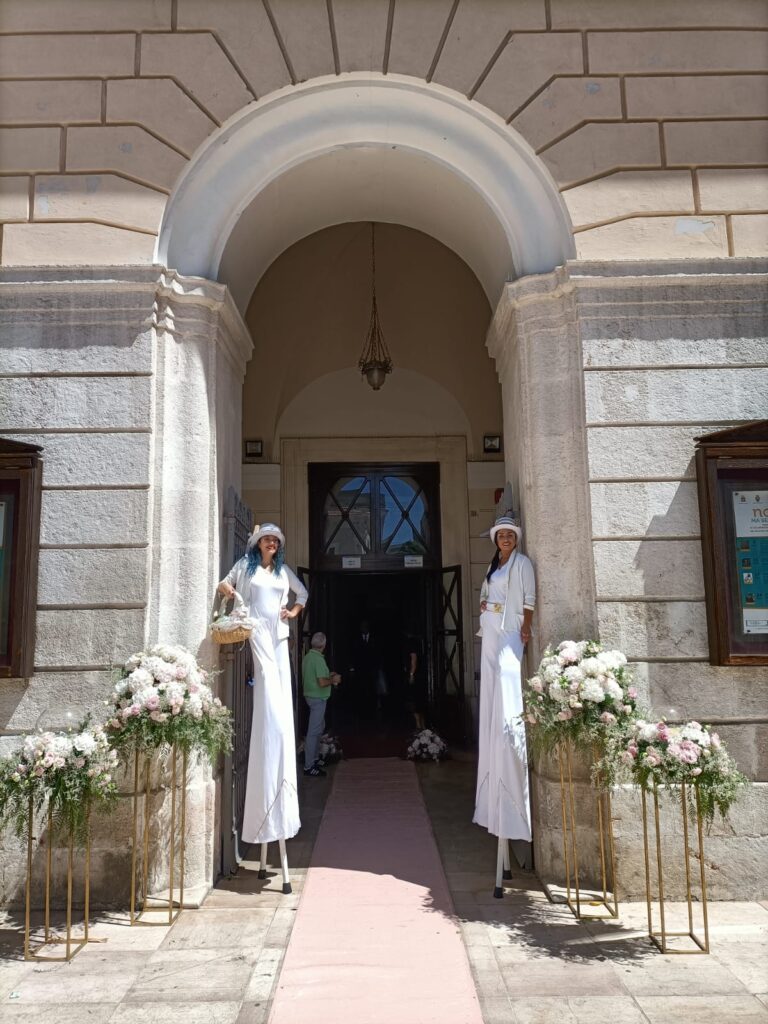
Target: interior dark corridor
373 622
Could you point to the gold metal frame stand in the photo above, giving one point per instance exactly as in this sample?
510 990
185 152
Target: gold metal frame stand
661 937
158 903
609 904
73 943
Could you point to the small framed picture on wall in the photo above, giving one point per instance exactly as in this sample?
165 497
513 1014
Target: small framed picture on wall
253 450
491 444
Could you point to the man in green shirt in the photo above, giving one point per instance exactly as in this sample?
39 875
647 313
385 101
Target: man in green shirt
318 680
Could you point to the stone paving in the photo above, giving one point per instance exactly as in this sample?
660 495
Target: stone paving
531 961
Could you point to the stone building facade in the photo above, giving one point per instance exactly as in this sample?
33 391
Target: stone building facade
572 201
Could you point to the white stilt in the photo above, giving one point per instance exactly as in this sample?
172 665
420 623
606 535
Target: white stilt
507 865
263 861
503 846
284 865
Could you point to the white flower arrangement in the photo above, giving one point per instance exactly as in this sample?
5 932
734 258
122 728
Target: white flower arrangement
72 771
580 692
426 746
162 697
330 748
669 755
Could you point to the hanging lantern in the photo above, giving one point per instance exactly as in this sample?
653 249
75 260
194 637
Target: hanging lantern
375 362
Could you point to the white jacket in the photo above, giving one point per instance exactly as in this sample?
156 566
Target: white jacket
237 577
521 591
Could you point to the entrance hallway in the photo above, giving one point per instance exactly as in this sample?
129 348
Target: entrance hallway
531 962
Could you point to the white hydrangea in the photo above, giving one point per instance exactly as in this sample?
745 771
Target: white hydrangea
590 666
693 731
552 673
611 660
573 674
592 691
559 693
85 742
613 690
646 731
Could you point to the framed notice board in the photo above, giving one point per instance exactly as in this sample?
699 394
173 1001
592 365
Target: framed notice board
732 474
21 472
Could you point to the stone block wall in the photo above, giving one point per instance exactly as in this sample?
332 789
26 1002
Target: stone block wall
651 118
659 354
131 384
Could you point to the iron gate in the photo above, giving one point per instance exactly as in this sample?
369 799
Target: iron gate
448 695
236 663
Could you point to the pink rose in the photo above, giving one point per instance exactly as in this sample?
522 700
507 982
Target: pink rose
632 692
714 739
152 703
565 715
607 718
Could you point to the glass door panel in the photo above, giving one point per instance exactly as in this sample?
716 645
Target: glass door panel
376 517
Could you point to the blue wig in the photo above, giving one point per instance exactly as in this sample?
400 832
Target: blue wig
254 560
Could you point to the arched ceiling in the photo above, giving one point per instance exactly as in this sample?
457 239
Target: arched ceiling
364 147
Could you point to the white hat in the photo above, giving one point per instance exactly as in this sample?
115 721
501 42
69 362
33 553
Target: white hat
265 530
504 523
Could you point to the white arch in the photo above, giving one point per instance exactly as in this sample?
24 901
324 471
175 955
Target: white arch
364 147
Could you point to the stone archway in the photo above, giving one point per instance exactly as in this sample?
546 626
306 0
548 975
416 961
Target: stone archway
364 147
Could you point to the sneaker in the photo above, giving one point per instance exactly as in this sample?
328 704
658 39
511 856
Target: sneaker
320 762
314 771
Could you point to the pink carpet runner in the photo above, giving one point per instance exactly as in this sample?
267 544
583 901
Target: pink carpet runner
375 940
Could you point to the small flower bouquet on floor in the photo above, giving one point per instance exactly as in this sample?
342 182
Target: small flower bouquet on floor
330 748
162 697
426 746
669 755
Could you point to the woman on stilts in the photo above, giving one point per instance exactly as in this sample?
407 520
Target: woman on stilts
507 599
264 582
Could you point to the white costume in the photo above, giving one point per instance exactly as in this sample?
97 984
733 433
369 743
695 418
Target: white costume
502 803
271 800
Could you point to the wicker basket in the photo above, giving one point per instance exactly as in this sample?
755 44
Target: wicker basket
229 636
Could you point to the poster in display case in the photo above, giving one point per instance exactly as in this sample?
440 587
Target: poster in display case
732 475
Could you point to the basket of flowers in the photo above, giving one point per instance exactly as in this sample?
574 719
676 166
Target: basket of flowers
231 627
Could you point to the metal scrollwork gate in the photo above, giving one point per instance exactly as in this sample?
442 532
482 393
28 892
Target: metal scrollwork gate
236 662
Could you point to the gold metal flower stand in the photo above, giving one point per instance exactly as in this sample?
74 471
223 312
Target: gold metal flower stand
73 943
661 937
168 907
604 903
